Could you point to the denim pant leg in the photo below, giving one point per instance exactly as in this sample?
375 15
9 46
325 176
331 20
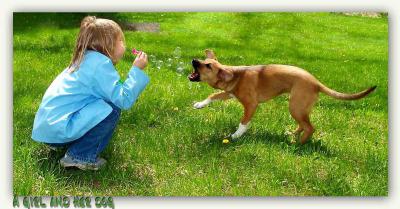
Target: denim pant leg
89 146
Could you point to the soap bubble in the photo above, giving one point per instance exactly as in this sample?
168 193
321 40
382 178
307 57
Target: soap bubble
153 59
179 68
159 64
179 71
177 52
169 62
190 85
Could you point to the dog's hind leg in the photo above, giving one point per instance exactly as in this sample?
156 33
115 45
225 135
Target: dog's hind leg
300 105
213 97
308 129
298 130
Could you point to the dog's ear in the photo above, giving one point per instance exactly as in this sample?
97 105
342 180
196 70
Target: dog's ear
210 54
225 75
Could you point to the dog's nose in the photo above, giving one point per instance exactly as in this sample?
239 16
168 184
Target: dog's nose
195 63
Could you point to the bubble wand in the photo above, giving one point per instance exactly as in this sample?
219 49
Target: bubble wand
135 51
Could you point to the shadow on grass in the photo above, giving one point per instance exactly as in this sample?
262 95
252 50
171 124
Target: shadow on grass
285 142
269 139
110 180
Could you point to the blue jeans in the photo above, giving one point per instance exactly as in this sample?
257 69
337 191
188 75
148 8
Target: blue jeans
89 146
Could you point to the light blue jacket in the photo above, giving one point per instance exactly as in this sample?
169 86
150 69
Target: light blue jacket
76 102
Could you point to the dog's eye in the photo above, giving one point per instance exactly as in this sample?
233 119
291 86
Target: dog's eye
208 66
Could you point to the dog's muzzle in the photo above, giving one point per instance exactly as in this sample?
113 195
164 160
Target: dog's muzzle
195 76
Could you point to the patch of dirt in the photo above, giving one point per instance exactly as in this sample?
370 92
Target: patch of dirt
146 27
365 14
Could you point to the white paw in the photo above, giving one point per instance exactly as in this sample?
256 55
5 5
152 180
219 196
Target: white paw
235 136
241 130
201 104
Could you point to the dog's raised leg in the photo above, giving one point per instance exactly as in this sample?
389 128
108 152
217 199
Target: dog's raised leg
249 110
213 97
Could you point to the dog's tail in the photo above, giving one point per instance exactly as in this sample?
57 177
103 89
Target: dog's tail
343 96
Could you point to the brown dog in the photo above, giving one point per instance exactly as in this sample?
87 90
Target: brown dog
252 85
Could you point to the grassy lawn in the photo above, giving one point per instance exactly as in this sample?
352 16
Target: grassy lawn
163 147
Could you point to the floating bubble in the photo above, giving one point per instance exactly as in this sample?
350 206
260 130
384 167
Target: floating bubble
169 62
180 68
190 85
152 58
177 52
159 64
179 71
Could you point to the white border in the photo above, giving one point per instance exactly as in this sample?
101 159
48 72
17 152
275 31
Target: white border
9 6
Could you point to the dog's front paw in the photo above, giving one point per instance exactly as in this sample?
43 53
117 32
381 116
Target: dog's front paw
240 131
235 136
199 105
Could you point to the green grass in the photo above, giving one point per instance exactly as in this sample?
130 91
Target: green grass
163 147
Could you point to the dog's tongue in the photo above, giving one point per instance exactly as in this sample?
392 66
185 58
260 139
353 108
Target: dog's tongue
194 76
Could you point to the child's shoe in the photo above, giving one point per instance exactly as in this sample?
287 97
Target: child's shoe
55 147
68 161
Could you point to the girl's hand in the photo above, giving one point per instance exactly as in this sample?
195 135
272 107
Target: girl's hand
141 60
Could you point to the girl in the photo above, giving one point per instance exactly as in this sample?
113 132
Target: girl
82 106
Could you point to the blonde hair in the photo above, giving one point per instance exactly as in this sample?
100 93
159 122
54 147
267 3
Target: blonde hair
95 34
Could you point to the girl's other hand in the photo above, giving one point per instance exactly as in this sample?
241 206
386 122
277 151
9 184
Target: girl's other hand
141 60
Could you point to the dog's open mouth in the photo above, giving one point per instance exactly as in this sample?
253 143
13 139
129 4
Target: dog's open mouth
194 77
